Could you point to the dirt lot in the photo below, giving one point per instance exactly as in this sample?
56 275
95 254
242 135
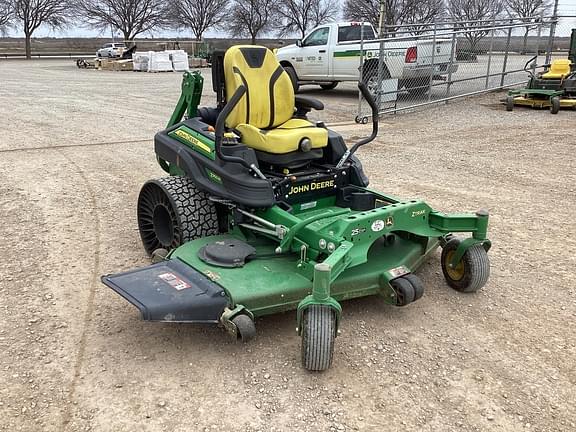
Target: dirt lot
75 147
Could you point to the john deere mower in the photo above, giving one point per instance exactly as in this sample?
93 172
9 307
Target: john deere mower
264 211
554 88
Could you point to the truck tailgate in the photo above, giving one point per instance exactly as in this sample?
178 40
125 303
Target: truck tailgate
442 51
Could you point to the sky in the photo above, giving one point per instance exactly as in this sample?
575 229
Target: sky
565 7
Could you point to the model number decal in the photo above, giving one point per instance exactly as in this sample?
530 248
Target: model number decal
418 213
357 231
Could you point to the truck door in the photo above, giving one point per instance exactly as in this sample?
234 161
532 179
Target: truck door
314 53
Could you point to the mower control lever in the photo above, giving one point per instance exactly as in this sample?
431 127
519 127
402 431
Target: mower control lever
370 99
219 132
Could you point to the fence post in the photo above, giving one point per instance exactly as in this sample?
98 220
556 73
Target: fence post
490 53
552 33
380 77
538 44
432 61
505 62
453 55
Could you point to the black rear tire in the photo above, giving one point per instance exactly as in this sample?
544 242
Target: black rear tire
293 77
318 336
172 211
329 86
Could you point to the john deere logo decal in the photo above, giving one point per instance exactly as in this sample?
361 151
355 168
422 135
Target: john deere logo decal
389 221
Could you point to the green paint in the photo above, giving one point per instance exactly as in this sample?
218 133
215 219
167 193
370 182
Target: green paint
194 140
355 262
213 176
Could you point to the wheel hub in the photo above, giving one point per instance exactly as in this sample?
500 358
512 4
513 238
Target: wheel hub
457 272
163 226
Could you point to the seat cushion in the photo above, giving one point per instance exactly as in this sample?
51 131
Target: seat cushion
285 138
558 69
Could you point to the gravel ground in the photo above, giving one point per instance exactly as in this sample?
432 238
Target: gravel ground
74 151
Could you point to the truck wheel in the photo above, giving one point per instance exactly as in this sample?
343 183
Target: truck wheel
293 77
417 87
329 86
370 76
172 211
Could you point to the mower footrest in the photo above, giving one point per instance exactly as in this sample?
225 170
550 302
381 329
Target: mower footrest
170 291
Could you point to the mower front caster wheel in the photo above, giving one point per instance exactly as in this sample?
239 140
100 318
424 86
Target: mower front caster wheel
245 328
472 271
509 103
318 336
555 105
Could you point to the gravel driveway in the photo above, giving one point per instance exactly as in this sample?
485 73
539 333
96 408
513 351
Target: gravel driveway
75 147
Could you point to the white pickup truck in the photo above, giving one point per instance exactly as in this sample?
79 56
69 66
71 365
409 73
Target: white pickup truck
330 53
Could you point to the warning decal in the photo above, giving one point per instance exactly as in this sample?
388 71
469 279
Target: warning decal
174 281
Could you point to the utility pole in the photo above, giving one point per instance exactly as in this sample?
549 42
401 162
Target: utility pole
382 21
552 32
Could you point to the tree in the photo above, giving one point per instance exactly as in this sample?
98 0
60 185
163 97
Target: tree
525 10
31 14
250 17
198 15
130 17
6 15
474 16
302 15
416 12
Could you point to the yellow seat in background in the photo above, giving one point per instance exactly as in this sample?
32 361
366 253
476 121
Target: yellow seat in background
559 69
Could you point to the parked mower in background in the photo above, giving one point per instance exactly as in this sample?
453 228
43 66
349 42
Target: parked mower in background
555 88
264 212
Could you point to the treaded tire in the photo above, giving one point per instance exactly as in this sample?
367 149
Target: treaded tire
329 86
555 105
293 77
245 328
474 267
404 291
172 211
318 336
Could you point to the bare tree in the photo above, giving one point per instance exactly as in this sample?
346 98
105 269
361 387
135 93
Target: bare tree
130 17
251 17
416 12
6 15
302 15
423 13
31 14
474 17
198 15
525 10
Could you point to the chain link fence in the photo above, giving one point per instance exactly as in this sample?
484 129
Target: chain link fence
415 66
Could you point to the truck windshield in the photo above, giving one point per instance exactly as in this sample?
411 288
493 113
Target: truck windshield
353 33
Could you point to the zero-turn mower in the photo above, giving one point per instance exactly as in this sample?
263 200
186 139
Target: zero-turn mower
554 88
264 211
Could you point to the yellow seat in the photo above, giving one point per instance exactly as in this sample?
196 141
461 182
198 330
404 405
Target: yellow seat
559 69
264 115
